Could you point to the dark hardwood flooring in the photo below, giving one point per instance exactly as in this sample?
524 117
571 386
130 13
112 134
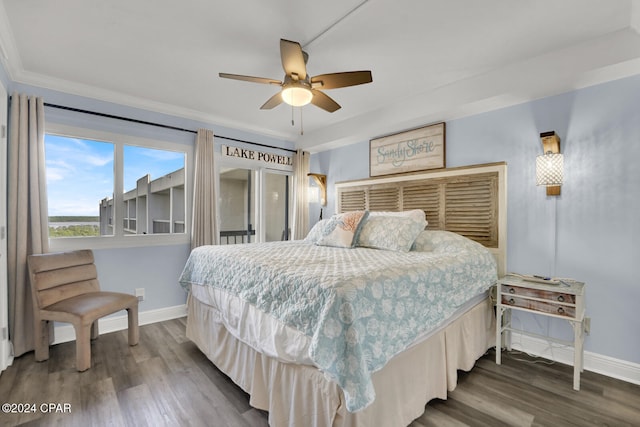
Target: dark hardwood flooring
166 380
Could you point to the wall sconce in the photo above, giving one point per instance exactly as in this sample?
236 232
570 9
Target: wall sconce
550 165
321 181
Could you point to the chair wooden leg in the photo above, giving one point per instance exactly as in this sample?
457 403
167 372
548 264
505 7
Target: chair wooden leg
41 338
94 330
132 313
83 347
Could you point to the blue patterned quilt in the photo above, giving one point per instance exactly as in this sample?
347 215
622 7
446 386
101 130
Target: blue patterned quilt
359 306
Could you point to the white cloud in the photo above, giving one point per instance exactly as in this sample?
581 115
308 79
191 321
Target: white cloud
56 174
97 160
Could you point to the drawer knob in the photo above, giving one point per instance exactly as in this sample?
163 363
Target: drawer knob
512 291
560 310
512 301
560 298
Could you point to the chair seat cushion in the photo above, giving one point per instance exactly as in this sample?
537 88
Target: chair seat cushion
90 306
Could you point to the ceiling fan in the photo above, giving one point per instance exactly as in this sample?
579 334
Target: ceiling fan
298 88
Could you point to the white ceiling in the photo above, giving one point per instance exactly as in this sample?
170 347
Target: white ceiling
431 60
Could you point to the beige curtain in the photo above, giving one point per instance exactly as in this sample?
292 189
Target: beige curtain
27 222
300 225
204 227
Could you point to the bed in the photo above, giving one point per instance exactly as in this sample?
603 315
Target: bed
365 328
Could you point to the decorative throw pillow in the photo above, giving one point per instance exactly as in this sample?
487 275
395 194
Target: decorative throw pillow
394 233
342 229
415 214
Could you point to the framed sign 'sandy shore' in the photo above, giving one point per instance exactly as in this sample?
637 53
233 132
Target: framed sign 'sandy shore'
409 151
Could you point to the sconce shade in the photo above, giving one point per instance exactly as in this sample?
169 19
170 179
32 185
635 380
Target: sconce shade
313 193
549 169
321 182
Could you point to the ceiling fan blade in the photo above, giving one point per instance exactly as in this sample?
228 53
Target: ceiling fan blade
323 101
336 80
272 102
293 59
250 79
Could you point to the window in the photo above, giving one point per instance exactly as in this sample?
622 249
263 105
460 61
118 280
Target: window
79 177
254 205
110 188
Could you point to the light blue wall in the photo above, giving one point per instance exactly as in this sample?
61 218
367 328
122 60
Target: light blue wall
593 225
156 269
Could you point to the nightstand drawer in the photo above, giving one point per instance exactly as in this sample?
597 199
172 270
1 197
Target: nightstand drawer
539 293
545 307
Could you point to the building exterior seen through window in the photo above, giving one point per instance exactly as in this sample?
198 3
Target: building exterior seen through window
152 207
81 180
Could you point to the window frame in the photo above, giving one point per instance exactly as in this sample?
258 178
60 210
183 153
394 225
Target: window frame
119 239
260 170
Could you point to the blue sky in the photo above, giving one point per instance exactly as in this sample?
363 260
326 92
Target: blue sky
80 172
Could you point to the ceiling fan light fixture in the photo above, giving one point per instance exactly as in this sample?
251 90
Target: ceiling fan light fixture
296 95
298 87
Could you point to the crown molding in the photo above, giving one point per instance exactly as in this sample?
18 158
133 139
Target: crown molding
92 92
8 53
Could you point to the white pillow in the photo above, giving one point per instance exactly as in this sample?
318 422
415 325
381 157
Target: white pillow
415 214
393 232
440 241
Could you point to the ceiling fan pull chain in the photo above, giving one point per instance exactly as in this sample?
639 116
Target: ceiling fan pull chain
301 125
292 122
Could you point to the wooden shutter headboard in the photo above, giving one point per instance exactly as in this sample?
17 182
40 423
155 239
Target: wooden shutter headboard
469 200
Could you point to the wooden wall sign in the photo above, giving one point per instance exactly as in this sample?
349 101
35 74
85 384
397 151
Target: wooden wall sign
259 158
414 150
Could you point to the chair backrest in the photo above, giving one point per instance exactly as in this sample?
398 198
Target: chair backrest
58 276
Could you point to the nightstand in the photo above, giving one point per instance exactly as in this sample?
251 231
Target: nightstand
562 301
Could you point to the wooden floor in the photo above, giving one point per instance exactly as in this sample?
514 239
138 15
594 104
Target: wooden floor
165 380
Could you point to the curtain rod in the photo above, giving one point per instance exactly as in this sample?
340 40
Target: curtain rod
160 125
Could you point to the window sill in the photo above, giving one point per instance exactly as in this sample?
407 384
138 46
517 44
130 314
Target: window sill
112 242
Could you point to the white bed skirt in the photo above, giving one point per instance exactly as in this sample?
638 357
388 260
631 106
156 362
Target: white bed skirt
300 395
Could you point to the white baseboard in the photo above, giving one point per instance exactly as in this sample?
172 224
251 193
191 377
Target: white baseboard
594 362
65 332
